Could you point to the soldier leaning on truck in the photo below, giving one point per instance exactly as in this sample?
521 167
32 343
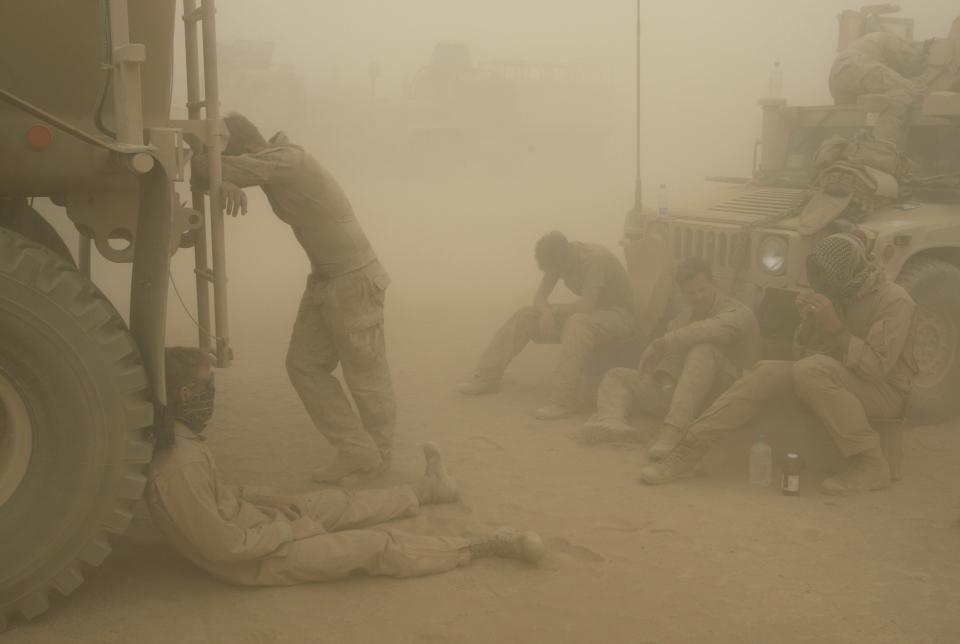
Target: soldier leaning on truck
246 536
880 63
603 313
706 348
340 319
858 364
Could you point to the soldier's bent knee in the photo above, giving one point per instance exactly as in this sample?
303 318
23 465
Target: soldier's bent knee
813 371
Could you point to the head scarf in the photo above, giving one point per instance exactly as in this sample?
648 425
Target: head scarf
838 266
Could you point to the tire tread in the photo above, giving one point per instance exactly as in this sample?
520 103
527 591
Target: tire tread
37 268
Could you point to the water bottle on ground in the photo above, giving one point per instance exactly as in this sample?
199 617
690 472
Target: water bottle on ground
790 485
761 463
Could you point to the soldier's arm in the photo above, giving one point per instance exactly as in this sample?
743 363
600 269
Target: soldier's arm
593 280
547 283
876 355
723 328
272 165
190 499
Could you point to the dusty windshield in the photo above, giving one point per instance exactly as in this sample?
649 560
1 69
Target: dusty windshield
934 149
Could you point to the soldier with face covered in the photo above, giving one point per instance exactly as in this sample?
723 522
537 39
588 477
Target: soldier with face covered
855 362
707 346
246 536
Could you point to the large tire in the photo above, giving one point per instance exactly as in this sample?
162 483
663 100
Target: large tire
935 286
74 409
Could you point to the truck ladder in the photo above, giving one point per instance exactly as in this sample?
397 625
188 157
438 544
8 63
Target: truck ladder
207 109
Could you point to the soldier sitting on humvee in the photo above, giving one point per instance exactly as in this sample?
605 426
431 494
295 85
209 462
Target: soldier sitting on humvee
880 63
708 345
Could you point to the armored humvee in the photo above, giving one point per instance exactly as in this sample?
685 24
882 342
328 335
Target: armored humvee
751 231
85 100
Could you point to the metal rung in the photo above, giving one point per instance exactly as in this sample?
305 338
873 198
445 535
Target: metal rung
194 16
205 273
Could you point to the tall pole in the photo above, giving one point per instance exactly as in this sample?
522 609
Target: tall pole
638 189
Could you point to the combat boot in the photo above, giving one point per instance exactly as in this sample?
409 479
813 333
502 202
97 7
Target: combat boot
509 542
437 486
865 471
669 438
682 462
608 430
478 386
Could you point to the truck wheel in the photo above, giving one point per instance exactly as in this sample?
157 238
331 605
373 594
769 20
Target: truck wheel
74 407
935 286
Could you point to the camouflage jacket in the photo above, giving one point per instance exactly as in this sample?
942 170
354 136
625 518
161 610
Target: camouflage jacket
730 326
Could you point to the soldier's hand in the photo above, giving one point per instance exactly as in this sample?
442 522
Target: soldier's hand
548 324
828 321
287 506
234 199
804 303
305 527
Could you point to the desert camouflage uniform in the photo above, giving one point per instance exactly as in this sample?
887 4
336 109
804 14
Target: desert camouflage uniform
225 532
868 378
579 333
879 63
340 320
702 358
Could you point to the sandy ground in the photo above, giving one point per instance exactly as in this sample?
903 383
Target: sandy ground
706 560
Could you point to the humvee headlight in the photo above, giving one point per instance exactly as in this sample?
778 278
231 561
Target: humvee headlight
773 254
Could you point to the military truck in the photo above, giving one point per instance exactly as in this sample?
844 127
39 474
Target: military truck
751 231
85 100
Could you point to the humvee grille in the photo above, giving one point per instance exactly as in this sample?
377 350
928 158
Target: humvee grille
722 247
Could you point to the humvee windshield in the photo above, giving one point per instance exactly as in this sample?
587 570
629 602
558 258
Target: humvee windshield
934 148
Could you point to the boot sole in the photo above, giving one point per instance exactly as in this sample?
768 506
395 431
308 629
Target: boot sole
680 477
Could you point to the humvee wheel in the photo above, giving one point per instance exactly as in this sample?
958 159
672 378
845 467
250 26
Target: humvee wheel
935 286
74 405
16 438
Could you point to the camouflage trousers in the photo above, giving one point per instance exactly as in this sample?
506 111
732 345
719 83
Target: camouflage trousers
677 390
842 400
579 334
355 541
340 322
853 77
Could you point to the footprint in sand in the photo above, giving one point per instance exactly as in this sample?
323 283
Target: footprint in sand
495 444
559 544
616 524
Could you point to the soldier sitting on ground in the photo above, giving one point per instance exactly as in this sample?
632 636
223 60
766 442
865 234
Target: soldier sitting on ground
708 345
254 539
855 335
602 314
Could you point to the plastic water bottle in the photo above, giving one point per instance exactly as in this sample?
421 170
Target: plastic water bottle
775 87
761 463
663 201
